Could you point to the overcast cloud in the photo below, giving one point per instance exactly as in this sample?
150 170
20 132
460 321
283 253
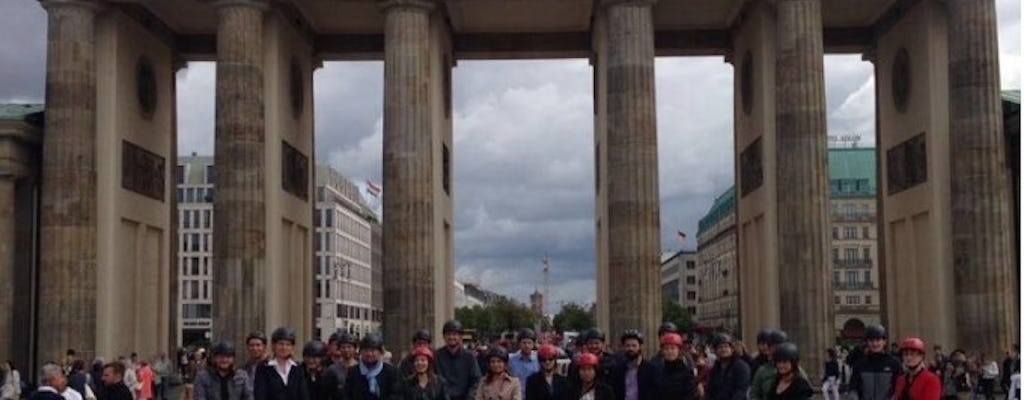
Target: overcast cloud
523 154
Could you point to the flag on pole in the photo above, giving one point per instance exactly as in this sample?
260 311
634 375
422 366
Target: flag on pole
373 189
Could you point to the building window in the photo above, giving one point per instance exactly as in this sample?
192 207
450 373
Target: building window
329 218
691 265
851 254
186 221
211 175
853 300
835 300
180 174
850 232
691 280
207 219
867 253
691 295
867 299
835 232
852 277
835 277
446 165
835 253
194 246
866 233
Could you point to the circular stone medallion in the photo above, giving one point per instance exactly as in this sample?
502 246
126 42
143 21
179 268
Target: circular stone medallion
747 83
901 80
145 86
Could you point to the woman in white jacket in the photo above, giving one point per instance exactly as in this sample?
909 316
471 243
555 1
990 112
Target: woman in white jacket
11 389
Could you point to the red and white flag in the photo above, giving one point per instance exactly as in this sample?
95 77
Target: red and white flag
372 188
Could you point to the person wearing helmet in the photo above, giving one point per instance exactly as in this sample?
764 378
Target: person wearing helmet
594 343
280 378
523 363
314 352
422 383
341 347
587 386
419 339
546 384
788 384
223 381
457 366
764 377
729 378
874 374
256 345
372 378
677 380
763 352
830 382
633 378
498 385
917 382
666 328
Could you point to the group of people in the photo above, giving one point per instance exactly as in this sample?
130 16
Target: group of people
122 379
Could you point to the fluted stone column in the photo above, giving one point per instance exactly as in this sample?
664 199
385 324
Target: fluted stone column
802 176
633 203
984 262
408 229
239 231
67 264
7 263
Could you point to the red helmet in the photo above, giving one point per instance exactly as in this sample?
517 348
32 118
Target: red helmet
672 339
587 360
912 343
547 352
423 351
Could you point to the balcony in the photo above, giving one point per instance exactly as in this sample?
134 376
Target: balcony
852 262
859 285
853 217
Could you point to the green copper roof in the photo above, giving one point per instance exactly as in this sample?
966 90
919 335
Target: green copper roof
1012 96
724 205
851 172
20 112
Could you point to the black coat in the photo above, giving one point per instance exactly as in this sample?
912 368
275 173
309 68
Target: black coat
269 386
460 370
646 380
601 392
357 387
537 387
676 381
117 391
332 382
729 382
47 395
799 389
409 389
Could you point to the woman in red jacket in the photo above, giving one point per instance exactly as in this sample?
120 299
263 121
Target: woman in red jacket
917 383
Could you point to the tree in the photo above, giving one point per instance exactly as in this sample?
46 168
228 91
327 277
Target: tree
573 317
675 313
501 315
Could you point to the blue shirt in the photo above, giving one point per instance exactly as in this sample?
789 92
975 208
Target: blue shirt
522 367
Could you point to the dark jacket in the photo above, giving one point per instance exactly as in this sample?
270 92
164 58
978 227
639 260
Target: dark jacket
357 387
269 386
601 392
77 380
646 380
537 387
831 370
728 381
460 372
210 385
757 362
676 381
409 389
607 362
799 389
45 395
332 382
874 376
320 387
117 391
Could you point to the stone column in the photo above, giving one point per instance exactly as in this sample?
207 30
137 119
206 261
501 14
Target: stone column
984 262
408 229
7 264
239 230
634 246
67 264
802 176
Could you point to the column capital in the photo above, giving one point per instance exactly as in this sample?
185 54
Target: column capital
638 3
89 5
421 5
261 5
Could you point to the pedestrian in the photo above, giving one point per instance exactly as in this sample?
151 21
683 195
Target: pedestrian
456 365
918 382
830 381
78 379
1011 365
523 363
665 328
314 352
114 387
958 375
594 341
676 380
11 389
740 352
256 348
547 384
729 378
989 372
703 372
763 378
586 386
96 375
498 385
145 390
634 378
280 378
875 373
788 384
372 378
422 383
223 381
69 358
131 378
183 361
341 346
763 353
52 383
422 337
162 372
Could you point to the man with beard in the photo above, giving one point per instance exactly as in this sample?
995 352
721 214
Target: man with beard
457 366
634 378
372 378
223 382
729 378
874 375
547 384
676 376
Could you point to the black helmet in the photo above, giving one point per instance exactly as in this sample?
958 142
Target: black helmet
876 332
282 333
720 338
223 348
777 337
631 334
314 348
595 333
341 337
526 333
667 327
371 341
497 352
762 336
786 352
259 335
423 335
452 326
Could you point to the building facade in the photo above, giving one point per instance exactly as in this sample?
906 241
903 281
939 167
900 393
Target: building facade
717 298
679 280
196 178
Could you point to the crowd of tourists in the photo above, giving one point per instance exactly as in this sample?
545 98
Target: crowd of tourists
522 367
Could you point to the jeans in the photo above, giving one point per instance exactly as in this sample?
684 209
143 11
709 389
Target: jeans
830 388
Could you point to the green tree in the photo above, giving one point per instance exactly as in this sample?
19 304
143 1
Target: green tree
503 314
573 317
675 313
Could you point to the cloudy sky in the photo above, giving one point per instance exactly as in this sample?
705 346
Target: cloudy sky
523 154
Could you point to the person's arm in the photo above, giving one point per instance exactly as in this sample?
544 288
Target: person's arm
200 387
740 379
259 385
474 379
517 391
478 392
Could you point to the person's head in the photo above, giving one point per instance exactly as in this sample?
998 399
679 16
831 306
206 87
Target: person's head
875 338
283 342
422 357
721 342
497 361
1014 350
547 356
52 375
667 327
912 352
595 341
671 346
587 367
113 373
344 345
256 344
786 358
739 348
937 349
831 354
775 337
762 342
370 350
134 357
982 357
78 365
223 354
632 342
70 353
526 339
422 337
452 331
313 354
958 356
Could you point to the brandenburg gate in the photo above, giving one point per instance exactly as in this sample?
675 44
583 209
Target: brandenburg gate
107 215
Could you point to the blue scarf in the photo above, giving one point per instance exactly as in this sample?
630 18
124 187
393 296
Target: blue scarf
371 376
